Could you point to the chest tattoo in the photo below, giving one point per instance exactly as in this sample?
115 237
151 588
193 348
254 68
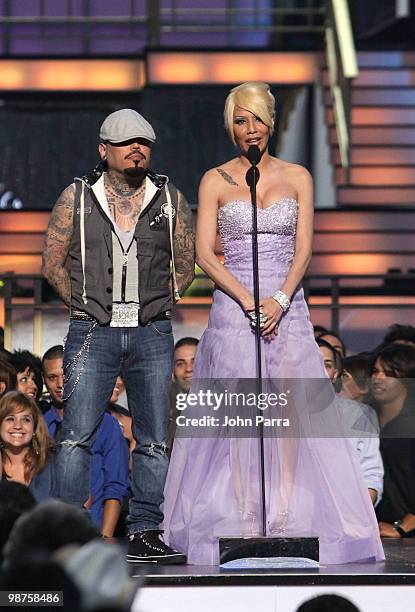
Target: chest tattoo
227 177
125 206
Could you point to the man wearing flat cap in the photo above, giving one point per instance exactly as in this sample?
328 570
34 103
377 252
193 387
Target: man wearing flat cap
120 251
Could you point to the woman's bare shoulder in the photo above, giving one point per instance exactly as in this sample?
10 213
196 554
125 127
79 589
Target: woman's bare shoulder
293 170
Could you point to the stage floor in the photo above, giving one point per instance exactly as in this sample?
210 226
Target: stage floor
399 568
371 586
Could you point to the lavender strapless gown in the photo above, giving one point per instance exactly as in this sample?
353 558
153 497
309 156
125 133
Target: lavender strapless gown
314 485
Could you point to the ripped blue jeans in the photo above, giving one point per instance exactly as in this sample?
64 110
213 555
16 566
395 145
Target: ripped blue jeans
94 356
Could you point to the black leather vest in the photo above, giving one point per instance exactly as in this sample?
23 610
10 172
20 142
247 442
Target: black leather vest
153 253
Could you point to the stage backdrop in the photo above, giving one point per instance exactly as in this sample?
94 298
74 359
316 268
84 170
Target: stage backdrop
46 140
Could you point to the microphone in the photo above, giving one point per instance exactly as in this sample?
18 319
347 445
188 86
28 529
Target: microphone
254 155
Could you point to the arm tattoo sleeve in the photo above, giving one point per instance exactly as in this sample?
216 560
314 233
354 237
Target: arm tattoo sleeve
184 245
58 239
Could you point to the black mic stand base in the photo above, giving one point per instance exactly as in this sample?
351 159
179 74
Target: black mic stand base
284 550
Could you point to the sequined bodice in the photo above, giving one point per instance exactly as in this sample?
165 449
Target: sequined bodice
276 231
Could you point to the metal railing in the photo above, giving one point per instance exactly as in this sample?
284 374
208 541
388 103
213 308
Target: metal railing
150 20
27 292
343 68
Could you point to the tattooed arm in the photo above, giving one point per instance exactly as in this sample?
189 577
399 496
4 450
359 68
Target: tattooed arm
58 239
184 245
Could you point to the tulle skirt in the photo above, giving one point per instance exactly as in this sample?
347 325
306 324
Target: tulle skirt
314 486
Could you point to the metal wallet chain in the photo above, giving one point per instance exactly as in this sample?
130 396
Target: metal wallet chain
70 368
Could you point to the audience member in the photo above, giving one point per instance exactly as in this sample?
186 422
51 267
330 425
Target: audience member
183 362
360 425
5 355
328 603
121 413
125 421
336 342
333 362
52 371
393 391
29 373
356 374
119 394
110 456
400 334
123 416
101 574
15 499
36 572
46 528
330 358
319 330
24 441
119 388
8 380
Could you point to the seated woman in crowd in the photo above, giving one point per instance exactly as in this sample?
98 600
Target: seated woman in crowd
392 384
25 445
29 373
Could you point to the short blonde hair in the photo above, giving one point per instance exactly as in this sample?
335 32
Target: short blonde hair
254 97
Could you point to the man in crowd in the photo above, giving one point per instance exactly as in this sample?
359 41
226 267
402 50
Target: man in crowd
119 251
183 362
109 468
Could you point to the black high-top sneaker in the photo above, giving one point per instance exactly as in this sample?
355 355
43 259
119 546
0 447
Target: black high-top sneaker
147 547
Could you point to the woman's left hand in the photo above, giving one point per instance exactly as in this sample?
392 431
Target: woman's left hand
274 312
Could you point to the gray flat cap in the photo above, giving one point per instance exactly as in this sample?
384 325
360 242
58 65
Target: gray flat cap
126 124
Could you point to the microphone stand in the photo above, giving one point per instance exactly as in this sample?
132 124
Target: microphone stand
252 178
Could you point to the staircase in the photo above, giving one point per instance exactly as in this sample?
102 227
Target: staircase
382 171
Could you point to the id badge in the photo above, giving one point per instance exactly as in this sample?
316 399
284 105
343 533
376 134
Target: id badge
124 315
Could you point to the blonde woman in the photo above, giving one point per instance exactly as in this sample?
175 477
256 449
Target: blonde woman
314 487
